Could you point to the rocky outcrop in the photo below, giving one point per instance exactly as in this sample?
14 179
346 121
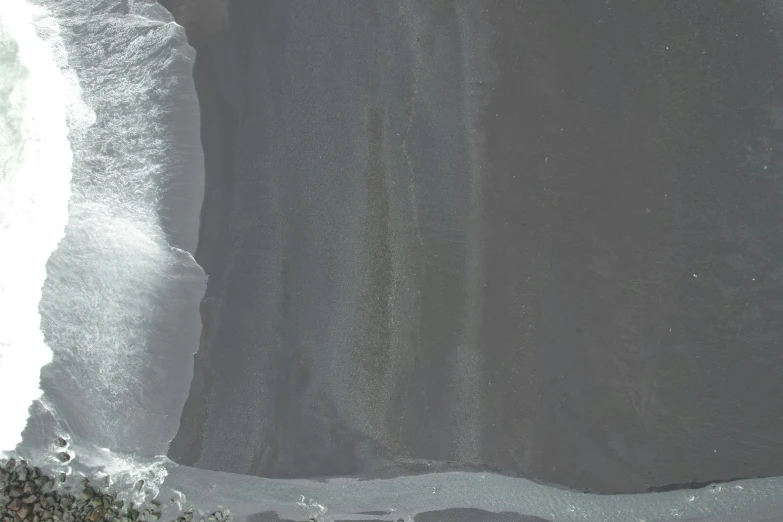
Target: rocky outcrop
27 494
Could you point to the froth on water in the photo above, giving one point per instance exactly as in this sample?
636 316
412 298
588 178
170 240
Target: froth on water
98 208
39 104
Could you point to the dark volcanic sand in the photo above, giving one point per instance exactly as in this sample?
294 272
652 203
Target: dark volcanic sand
541 236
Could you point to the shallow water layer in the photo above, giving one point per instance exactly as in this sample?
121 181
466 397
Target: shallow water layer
404 497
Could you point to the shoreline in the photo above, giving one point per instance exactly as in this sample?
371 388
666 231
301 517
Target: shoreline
216 124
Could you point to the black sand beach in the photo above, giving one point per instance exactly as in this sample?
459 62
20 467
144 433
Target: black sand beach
538 237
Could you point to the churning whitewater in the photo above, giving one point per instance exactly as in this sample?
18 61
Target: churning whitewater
102 181
39 100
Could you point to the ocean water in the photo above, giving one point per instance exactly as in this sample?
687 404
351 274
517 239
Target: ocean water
102 183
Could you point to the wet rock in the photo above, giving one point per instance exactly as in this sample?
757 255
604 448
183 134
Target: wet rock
60 442
24 499
97 514
63 456
88 493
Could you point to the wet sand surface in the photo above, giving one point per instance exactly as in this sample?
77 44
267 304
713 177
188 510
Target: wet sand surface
539 237
447 515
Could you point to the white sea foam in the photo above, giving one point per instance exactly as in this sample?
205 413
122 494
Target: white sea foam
124 471
39 98
120 304
100 188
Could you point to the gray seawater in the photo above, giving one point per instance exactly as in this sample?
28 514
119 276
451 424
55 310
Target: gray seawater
118 313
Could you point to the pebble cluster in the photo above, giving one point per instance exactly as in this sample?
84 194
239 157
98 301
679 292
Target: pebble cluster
28 495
